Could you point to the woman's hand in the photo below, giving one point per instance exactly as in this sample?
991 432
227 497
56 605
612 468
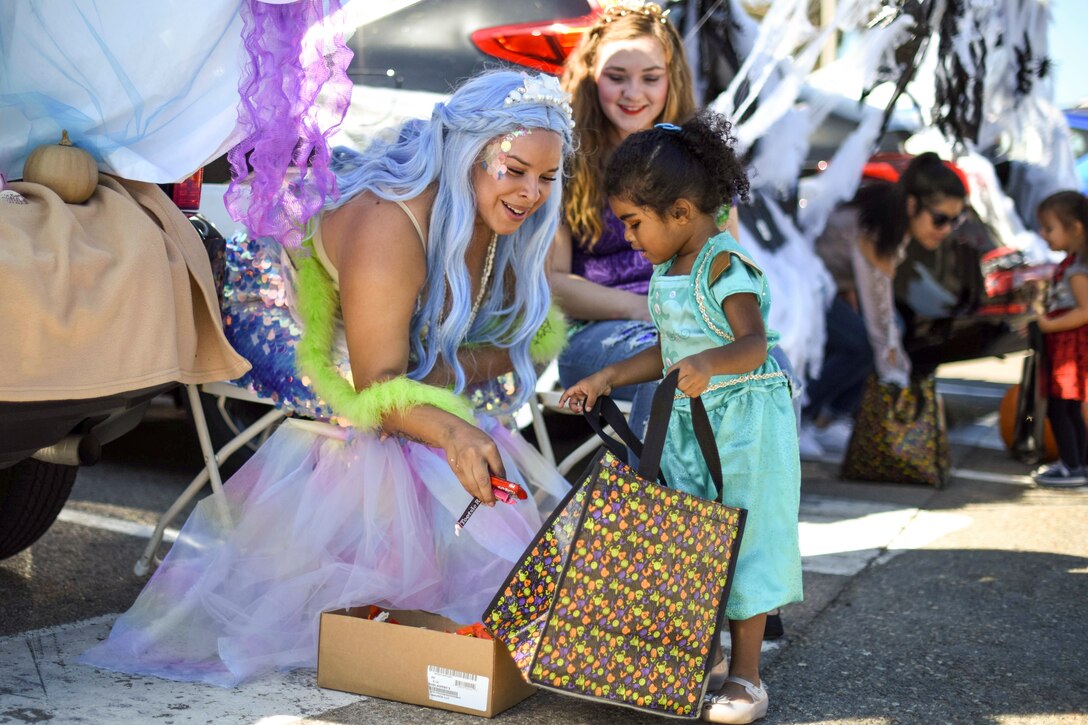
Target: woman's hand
474 457
583 395
695 373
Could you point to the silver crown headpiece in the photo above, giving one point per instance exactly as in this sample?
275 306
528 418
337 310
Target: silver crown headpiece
620 8
541 88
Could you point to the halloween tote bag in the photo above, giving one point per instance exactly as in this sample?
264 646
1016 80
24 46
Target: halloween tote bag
620 596
900 435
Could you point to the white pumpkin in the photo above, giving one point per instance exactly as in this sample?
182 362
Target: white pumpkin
66 169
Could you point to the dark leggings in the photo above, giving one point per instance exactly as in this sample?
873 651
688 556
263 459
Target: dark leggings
1067 423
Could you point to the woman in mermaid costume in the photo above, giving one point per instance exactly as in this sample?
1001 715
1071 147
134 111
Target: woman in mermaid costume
424 279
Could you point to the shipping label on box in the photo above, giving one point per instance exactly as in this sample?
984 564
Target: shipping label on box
457 688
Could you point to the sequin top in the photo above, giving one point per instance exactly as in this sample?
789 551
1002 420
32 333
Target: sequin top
612 262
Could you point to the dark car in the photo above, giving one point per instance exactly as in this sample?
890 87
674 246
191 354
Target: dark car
43 443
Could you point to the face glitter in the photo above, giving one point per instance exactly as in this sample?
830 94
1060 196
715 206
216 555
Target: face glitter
494 156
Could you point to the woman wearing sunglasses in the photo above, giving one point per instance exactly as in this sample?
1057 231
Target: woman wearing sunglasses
861 247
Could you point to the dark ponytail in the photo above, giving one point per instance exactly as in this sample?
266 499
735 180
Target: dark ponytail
882 208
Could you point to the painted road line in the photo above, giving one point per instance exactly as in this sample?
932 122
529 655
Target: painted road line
970 474
109 523
838 536
40 681
842 537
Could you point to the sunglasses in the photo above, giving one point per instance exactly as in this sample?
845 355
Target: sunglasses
941 220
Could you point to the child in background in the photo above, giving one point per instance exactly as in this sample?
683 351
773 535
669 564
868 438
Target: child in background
1063 223
710 303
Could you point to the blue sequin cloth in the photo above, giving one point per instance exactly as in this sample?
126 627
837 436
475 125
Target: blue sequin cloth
257 302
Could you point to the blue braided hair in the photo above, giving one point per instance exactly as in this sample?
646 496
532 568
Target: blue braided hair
402 165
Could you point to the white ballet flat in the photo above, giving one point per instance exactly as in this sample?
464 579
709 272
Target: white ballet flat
722 709
716 678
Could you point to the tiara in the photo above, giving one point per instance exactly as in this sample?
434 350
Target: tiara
544 89
620 8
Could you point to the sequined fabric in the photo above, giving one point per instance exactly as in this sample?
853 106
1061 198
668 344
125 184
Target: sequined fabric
258 322
257 301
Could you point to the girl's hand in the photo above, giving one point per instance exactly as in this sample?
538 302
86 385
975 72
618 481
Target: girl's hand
474 457
695 373
582 395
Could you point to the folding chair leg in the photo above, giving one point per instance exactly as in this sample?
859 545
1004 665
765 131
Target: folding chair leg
540 430
581 452
210 463
209 472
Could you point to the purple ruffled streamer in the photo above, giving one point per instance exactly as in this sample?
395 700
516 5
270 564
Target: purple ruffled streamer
280 174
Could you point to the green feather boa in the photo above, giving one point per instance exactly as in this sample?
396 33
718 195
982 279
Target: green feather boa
551 338
318 302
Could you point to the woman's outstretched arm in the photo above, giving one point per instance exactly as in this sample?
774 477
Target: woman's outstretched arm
584 300
382 268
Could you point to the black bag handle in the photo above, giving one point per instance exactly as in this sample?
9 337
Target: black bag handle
660 412
605 411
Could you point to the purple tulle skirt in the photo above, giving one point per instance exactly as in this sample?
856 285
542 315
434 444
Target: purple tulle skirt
323 518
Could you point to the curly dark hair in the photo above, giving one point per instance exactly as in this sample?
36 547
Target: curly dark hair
696 161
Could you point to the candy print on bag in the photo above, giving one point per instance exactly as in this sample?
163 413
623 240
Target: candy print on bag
620 597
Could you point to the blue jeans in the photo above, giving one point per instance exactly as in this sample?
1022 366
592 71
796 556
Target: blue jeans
605 342
848 361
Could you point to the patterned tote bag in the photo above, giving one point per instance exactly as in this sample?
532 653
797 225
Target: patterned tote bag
900 435
620 596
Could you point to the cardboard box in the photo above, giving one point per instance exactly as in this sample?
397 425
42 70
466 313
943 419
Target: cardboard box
418 661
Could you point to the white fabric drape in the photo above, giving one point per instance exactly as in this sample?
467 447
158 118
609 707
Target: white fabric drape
150 89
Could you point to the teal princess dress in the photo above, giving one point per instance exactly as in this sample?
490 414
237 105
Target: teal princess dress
753 419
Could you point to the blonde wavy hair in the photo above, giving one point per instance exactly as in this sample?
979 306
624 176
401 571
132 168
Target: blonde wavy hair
583 197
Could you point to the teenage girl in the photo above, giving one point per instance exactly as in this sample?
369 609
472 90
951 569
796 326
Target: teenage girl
1063 223
628 72
710 304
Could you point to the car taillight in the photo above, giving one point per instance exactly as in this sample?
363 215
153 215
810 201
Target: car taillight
186 193
542 45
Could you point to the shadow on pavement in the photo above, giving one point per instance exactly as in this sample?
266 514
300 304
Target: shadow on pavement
955 636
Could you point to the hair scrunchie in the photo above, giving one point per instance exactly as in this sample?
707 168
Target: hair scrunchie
318 301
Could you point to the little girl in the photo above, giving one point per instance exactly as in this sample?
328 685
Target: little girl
710 303
1063 223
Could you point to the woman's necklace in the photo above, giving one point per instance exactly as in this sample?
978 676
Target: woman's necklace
485 279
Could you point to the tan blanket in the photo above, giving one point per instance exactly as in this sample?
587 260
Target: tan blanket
110 295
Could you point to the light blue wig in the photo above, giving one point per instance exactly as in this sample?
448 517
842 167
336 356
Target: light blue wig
446 149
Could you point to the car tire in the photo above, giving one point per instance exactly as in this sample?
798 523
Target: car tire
32 493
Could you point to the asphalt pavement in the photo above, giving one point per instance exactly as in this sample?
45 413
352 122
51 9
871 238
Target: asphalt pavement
960 605
975 611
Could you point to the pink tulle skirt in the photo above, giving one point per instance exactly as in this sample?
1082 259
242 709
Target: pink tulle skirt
323 518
